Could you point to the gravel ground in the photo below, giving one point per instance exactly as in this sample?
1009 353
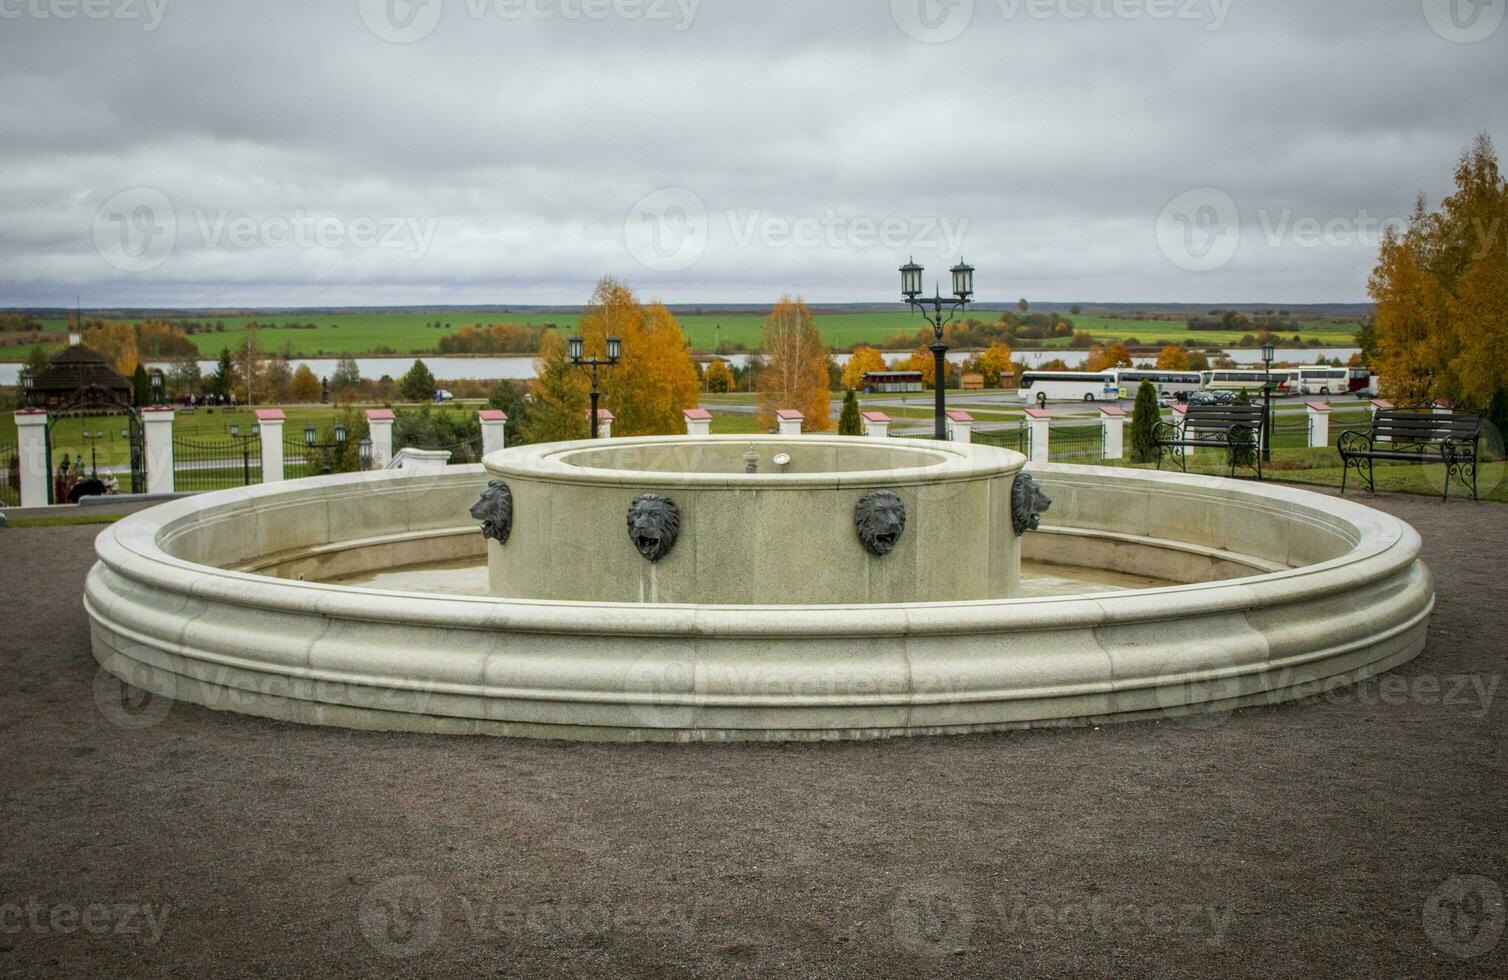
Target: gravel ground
1363 833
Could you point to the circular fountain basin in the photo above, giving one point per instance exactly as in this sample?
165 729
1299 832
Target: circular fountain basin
782 535
226 600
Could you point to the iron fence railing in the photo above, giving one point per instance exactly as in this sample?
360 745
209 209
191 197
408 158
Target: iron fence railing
10 476
216 464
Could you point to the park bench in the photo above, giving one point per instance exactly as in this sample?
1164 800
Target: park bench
1414 435
1237 429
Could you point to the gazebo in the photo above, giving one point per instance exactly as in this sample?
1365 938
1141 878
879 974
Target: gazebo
73 370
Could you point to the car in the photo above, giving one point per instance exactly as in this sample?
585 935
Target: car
1365 393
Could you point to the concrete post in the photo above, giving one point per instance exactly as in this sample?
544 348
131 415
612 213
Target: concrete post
380 430
790 421
698 421
1040 421
158 425
1113 431
876 425
270 424
960 427
1181 422
31 447
494 430
604 423
1319 424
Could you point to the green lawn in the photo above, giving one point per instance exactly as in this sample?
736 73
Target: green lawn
408 333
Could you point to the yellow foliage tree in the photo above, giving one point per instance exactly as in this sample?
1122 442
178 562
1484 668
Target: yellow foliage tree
1172 358
795 372
863 361
995 364
1108 358
656 378
117 341
719 378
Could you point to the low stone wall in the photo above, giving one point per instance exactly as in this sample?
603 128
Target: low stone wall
174 609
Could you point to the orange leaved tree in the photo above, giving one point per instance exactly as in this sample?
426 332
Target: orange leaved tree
795 371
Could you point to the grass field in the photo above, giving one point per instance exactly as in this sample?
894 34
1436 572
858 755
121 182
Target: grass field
408 333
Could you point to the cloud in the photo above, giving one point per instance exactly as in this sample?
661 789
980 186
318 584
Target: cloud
1055 133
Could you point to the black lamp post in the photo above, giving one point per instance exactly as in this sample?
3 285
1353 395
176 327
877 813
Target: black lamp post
157 385
614 351
311 444
963 288
1267 356
28 387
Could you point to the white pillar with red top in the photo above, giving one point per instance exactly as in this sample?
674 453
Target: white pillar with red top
31 450
698 421
157 423
494 430
270 425
960 427
790 421
876 425
380 431
1113 431
604 423
1319 424
1040 420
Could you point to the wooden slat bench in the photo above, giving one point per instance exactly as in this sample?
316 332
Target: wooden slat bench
1237 429
1414 435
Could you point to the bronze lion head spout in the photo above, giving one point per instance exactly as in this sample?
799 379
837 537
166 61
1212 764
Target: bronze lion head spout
654 522
1028 504
495 511
880 518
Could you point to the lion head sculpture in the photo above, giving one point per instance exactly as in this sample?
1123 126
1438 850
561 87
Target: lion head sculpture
654 522
1028 504
880 517
495 511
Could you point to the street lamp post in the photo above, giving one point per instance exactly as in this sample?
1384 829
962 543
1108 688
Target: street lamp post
1267 355
614 351
157 386
963 288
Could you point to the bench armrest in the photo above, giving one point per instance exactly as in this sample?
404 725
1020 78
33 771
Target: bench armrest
1354 441
1458 450
1165 432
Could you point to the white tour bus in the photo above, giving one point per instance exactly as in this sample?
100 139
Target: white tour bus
1223 379
1128 380
1069 386
1324 380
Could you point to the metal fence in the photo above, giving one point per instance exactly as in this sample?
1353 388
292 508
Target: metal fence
216 464
10 476
1076 443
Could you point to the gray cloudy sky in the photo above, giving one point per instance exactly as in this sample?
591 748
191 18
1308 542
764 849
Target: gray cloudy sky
217 152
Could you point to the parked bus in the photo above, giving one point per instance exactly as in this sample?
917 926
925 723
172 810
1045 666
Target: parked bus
1066 386
1223 379
1324 381
1128 380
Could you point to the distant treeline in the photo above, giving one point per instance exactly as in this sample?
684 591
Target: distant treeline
498 338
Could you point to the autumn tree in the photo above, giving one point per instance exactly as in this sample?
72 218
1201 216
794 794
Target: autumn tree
1108 358
303 386
117 341
559 403
1172 358
795 372
995 364
863 360
655 379
418 385
719 378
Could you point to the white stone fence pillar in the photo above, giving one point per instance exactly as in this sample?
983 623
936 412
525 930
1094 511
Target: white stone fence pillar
31 448
270 425
876 425
380 431
698 421
960 427
1181 426
1040 421
790 421
604 424
1377 403
494 430
1319 424
158 425
1113 431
